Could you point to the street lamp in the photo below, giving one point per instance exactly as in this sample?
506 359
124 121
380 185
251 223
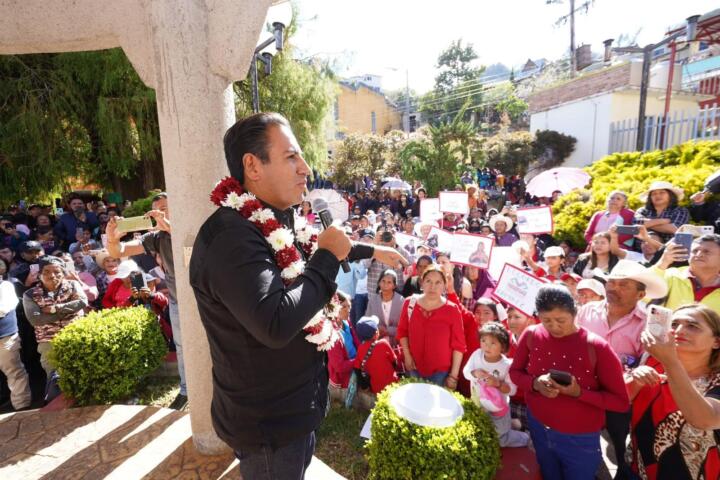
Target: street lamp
266 59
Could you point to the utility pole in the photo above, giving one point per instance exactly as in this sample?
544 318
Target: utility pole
573 60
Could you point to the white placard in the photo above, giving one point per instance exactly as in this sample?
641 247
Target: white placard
518 288
535 220
455 202
366 431
440 240
501 256
407 242
430 209
469 249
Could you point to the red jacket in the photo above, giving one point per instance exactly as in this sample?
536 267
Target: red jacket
340 366
381 366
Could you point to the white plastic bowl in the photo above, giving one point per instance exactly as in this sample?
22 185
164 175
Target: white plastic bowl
426 405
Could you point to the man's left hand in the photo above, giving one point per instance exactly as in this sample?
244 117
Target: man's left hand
389 256
161 221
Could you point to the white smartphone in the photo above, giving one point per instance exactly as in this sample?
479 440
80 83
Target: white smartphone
658 321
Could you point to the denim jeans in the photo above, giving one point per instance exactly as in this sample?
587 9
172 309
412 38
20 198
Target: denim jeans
177 339
438 378
289 462
565 456
357 307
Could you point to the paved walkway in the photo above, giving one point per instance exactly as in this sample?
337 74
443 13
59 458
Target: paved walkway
115 442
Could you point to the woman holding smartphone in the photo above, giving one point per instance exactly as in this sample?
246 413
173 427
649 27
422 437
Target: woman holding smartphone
675 427
569 377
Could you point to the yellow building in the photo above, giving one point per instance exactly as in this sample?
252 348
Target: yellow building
361 108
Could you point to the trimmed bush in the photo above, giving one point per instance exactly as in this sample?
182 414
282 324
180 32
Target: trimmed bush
102 357
686 166
400 449
140 206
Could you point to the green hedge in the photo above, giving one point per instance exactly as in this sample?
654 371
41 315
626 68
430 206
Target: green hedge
400 449
102 357
140 206
686 166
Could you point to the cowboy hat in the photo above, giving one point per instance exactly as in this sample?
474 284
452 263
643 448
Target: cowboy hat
501 218
655 286
662 185
101 256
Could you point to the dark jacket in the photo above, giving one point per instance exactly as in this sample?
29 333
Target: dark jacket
67 225
269 383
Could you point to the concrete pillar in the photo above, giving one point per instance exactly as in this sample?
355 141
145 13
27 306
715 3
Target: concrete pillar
189 51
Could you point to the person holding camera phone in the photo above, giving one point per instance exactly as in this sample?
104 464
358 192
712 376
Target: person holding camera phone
10 236
66 228
699 282
570 377
650 245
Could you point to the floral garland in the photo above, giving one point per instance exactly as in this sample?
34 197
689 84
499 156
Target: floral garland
321 329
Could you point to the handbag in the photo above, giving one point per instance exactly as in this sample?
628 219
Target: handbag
363 378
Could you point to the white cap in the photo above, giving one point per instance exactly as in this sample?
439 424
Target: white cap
592 284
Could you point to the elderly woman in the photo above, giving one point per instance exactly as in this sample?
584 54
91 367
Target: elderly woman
52 304
615 213
431 332
661 212
676 400
386 305
569 377
107 271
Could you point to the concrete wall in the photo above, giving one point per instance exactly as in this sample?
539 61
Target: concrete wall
587 120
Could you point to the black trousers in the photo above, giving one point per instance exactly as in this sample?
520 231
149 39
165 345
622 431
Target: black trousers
618 427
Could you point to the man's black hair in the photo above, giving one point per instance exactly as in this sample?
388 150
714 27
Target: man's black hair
709 237
159 196
249 135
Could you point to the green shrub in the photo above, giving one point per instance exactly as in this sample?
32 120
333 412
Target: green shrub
140 206
400 449
686 166
102 357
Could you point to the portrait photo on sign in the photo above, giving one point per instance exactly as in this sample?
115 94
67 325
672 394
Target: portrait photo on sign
440 240
469 249
409 243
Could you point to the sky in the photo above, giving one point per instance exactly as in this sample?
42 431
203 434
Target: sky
390 37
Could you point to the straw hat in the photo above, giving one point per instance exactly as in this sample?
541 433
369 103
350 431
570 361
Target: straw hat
501 218
101 257
663 185
655 287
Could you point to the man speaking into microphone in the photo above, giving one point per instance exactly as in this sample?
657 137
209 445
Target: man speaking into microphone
258 283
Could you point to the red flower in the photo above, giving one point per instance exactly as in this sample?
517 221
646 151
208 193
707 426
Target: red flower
223 188
249 207
268 227
286 256
315 329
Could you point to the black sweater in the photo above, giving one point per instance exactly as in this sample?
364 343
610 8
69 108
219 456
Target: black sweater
269 383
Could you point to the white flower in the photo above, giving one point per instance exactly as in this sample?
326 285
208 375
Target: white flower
300 222
262 215
334 337
280 238
323 335
313 249
232 200
293 270
304 235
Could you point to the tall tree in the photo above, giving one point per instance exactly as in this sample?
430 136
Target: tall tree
457 84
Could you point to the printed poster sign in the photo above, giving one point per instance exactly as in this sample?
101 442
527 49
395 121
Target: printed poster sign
440 240
430 209
535 220
518 288
455 202
474 250
407 242
501 256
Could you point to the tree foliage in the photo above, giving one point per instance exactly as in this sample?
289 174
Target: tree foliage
510 152
457 84
303 92
441 153
361 154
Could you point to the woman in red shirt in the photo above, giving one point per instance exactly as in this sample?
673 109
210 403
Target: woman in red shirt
431 334
566 408
119 291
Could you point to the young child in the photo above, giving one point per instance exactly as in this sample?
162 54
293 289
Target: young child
487 371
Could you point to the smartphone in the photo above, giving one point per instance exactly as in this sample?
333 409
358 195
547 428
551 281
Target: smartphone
658 321
684 239
134 224
137 280
560 377
628 229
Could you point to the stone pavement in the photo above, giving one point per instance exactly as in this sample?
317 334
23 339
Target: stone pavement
115 442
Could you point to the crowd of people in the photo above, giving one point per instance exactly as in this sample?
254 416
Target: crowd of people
56 269
582 364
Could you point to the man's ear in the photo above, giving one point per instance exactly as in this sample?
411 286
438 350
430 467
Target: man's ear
252 167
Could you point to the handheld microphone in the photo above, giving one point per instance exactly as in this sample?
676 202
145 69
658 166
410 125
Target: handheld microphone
321 207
